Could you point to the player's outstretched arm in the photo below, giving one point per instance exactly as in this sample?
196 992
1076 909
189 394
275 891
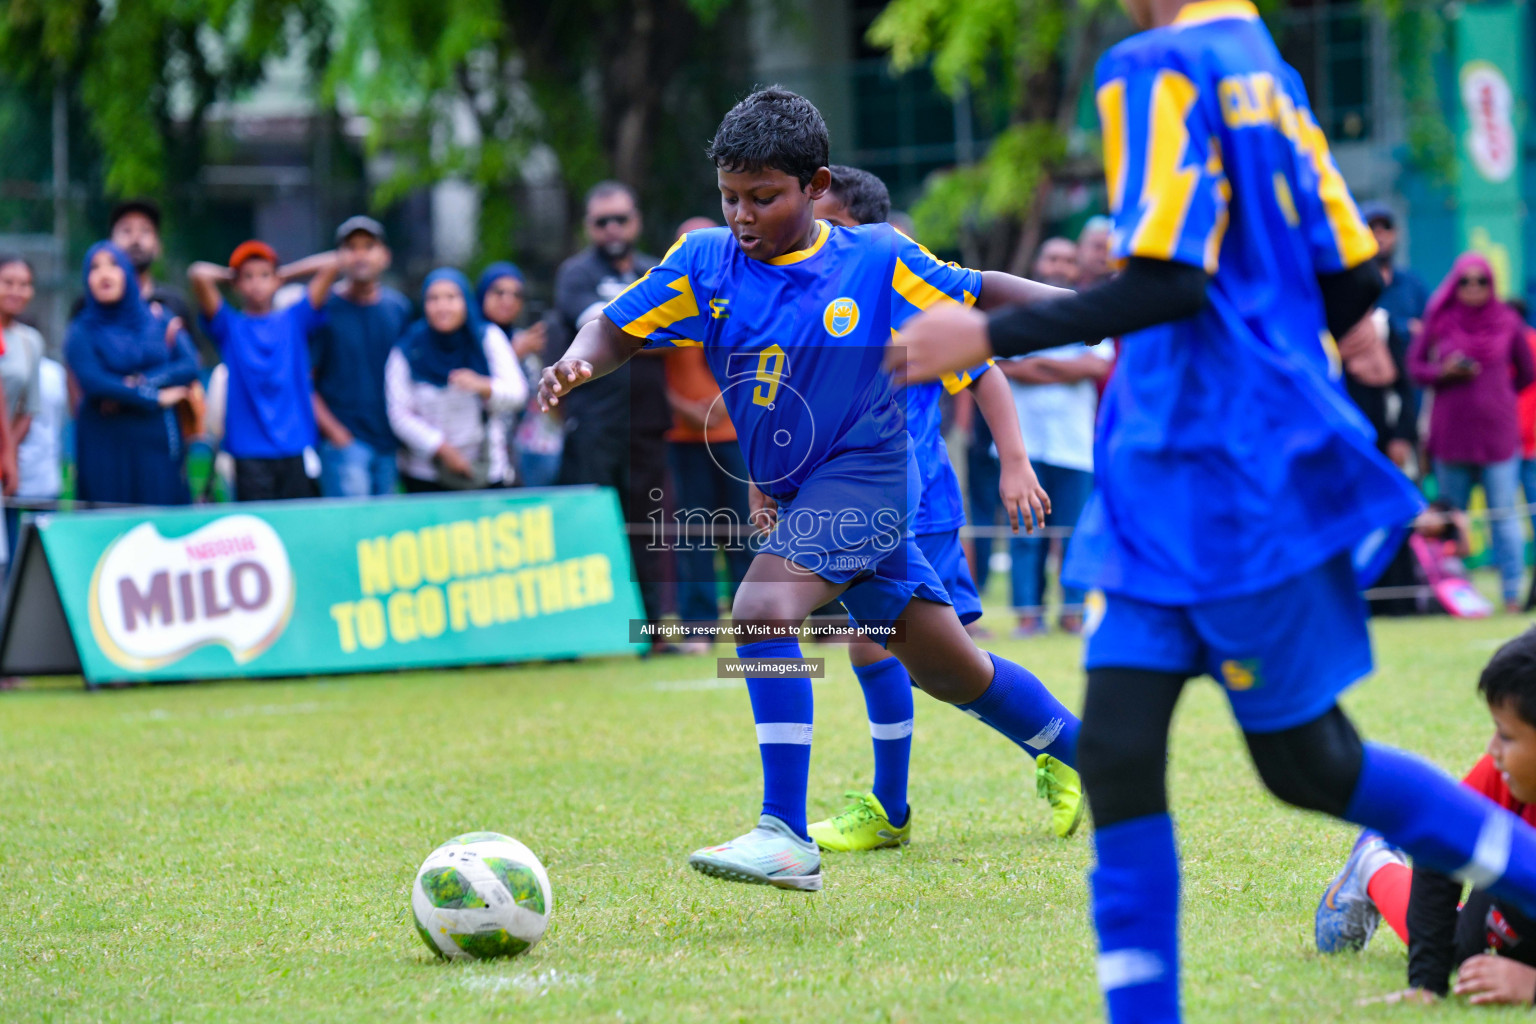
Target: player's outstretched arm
599 348
1023 497
949 338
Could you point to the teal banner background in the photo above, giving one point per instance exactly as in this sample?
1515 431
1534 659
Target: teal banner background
300 588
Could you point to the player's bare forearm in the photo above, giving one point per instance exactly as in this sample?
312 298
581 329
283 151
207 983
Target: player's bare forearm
999 289
598 349
323 265
994 400
1024 500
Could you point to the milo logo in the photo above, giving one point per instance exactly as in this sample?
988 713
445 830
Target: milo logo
155 600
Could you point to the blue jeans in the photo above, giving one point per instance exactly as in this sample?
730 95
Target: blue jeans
1528 485
981 480
707 480
1499 480
356 471
538 470
1069 490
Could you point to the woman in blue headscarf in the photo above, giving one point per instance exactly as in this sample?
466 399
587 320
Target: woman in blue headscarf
537 437
449 385
133 367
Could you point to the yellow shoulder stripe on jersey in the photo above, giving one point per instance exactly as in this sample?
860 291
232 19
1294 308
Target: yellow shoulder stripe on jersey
668 313
823 232
1356 242
1167 186
920 293
1216 10
1111 100
675 246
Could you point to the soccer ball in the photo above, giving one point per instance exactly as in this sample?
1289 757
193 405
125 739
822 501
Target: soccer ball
481 895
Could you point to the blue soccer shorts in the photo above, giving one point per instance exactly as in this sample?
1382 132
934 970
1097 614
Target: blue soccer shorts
1282 655
848 524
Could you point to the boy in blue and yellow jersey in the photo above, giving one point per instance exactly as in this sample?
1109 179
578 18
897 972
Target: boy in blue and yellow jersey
881 817
793 315
1234 478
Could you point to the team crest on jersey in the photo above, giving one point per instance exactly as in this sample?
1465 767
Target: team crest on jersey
841 317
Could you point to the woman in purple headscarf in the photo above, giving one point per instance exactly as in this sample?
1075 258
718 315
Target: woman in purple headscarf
1473 355
133 367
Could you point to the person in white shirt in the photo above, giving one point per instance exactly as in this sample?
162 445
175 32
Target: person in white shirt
1056 395
40 456
448 386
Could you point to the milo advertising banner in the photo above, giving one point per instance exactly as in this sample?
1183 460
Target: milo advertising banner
299 588
1489 42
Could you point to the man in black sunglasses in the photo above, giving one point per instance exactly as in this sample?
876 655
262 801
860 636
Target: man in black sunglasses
616 425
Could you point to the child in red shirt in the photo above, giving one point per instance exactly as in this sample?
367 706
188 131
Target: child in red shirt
1421 906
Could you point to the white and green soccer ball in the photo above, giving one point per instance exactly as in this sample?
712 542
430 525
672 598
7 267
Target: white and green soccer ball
481 895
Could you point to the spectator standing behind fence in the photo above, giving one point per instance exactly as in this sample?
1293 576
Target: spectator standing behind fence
134 227
21 356
1404 295
1056 394
363 320
616 425
132 367
450 384
269 417
536 436
1093 266
1473 354
40 456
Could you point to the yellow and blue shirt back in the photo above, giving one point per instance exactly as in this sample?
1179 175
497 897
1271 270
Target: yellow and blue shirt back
797 342
1228 457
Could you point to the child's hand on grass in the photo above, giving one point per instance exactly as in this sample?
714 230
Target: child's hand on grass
1495 980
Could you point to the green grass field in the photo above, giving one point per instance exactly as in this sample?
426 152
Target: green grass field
244 851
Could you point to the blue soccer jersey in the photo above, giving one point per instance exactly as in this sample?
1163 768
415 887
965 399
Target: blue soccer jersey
797 342
1229 458
941 508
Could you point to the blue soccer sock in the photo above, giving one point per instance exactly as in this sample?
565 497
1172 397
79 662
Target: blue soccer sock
1018 705
783 711
1444 825
888 699
1135 888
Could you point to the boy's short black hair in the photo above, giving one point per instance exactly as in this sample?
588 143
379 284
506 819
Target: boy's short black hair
772 129
1510 676
865 195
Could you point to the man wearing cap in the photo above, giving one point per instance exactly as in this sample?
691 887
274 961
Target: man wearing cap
134 227
269 419
363 320
616 425
1405 295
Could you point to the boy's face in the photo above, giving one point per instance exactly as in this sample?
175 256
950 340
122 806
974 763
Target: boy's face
363 258
831 209
256 282
1513 749
767 210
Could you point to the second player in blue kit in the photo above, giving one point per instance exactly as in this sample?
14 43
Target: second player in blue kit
1235 481
879 817
793 314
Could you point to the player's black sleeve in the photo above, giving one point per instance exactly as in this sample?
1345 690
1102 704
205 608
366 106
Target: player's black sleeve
1148 292
1349 295
1432 930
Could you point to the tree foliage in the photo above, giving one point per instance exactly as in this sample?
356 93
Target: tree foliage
133 63
1032 56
